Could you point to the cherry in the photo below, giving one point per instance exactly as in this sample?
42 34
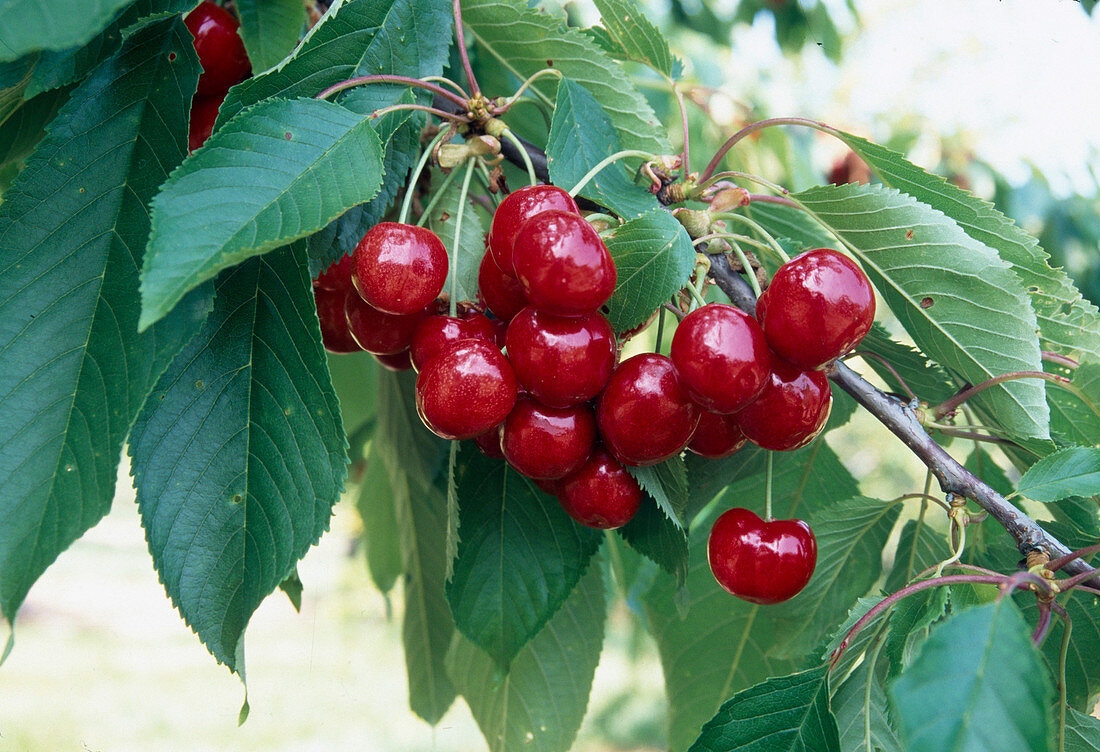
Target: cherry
644 415
399 268
601 494
335 334
516 208
717 436
204 111
818 306
758 561
561 360
337 277
563 265
219 46
489 442
551 486
434 333
399 361
721 357
377 332
501 294
547 442
465 390
791 411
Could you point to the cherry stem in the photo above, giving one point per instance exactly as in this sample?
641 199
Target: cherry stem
925 496
388 79
483 173
958 545
734 236
761 125
763 198
626 153
1072 582
463 193
685 167
753 224
436 198
460 38
532 180
753 282
1063 654
453 84
410 188
660 330
768 489
747 176
1043 624
1055 564
524 86
448 117
978 437
950 405
868 354
1061 360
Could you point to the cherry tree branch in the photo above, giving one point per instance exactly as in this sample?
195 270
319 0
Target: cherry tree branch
903 423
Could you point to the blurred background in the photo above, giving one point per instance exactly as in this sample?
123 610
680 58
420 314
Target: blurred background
998 96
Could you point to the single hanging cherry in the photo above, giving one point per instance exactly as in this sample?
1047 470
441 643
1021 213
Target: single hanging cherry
761 561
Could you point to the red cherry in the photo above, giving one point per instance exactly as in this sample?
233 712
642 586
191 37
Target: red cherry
721 357
516 208
818 306
377 332
436 332
204 111
551 486
644 415
563 265
395 362
219 46
337 277
601 494
489 442
501 294
547 442
758 561
561 360
717 436
465 390
334 326
399 268
500 332
791 411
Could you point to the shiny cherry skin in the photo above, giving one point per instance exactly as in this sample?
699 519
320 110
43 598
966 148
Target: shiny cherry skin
399 268
465 390
516 208
721 357
563 265
561 360
436 332
337 277
501 294
644 415
759 561
601 494
717 436
204 111
489 443
790 412
335 334
818 306
399 361
547 442
219 46
377 332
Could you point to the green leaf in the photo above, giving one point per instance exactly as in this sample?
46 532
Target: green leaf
416 461
1083 659
381 534
1082 732
280 171
464 263
859 704
717 648
76 371
526 41
920 546
960 303
786 713
653 259
1070 472
655 536
1068 323
519 558
859 644
909 625
355 38
539 703
1073 420
270 29
354 377
790 222
927 379
635 34
22 131
850 537
239 454
978 684
32 25
581 136
666 483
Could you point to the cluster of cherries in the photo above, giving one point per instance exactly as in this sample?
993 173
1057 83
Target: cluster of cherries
561 409
224 63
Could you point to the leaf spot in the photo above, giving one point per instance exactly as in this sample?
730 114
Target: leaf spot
289 136
909 235
199 384
549 63
237 498
171 56
926 303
